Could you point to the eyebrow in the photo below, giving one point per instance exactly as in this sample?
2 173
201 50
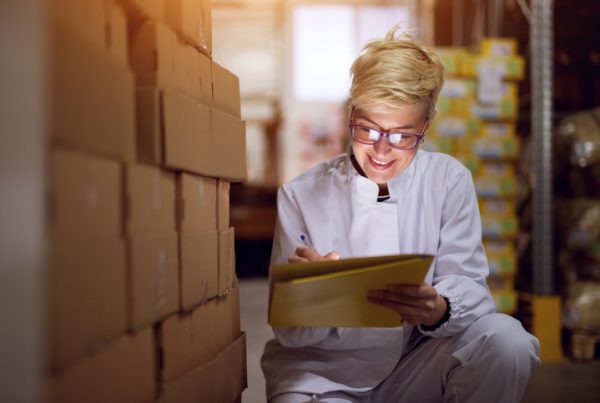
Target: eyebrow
392 129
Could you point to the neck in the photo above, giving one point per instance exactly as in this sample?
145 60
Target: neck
383 188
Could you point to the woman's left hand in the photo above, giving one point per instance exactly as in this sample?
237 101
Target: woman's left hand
417 304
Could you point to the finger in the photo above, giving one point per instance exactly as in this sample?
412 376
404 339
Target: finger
308 253
415 291
332 256
424 304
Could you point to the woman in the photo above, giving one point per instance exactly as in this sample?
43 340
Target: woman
388 197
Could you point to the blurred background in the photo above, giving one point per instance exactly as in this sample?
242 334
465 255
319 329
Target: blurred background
520 108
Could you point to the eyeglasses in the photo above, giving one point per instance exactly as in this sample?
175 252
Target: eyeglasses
396 139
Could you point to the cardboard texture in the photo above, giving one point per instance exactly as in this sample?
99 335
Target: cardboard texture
228 312
223 190
206 23
227 276
160 59
85 196
196 203
153 278
84 19
150 200
145 9
228 139
199 267
115 38
189 340
123 371
185 18
187 135
205 72
87 297
173 131
90 97
220 381
226 90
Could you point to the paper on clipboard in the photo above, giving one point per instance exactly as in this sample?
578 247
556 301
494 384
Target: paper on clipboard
333 292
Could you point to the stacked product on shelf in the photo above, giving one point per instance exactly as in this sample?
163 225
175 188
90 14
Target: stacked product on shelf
476 123
577 219
145 139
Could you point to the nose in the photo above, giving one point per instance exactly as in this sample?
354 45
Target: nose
381 147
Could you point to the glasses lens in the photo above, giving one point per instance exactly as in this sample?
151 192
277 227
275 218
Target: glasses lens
365 134
402 140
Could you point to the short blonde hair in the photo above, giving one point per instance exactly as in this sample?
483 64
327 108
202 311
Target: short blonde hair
396 71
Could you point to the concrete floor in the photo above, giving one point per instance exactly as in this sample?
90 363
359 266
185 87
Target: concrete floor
561 383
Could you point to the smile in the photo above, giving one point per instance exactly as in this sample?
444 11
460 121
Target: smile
377 164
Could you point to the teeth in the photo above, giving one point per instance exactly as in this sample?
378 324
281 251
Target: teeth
379 162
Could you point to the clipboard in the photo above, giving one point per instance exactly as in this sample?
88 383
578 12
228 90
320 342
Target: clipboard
333 293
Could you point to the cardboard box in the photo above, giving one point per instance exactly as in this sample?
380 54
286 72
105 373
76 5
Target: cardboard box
191 19
228 311
150 200
85 19
116 32
223 190
123 371
206 84
145 9
160 60
226 90
153 278
87 297
188 341
228 139
199 276
90 97
496 180
511 67
196 203
220 381
227 276
174 131
85 196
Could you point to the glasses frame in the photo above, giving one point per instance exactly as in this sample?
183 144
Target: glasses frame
386 134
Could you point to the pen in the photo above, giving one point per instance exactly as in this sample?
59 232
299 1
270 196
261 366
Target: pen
305 241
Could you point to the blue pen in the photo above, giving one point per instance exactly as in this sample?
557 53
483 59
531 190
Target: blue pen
305 241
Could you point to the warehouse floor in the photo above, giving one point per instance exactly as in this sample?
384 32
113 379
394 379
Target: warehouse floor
564 382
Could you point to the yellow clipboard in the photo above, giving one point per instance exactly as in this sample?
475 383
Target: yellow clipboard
334 292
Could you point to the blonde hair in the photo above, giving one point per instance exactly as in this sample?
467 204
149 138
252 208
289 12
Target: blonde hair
396 71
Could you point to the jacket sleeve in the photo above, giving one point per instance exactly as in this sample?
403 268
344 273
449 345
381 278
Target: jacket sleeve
288 228
461 267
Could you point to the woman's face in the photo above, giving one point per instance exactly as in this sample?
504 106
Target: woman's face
379 161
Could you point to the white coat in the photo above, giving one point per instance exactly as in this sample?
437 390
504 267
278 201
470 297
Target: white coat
432 210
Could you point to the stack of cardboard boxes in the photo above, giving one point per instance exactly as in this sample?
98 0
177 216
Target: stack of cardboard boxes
146 136
476 123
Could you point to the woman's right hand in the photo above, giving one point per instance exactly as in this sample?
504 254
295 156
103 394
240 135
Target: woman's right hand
307 254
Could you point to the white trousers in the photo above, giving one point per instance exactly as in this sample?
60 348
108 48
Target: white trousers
491 361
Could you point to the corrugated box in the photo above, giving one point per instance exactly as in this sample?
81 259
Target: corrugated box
116 31
499 46
145 9
123 371
153 278
226 90
85 196
174 131
84 19
228 139
159 59
196 203
223 190
191 19
188 341
220 381
227 276
502 258
206 86
87 297
91 97
199 276
228 312
150 200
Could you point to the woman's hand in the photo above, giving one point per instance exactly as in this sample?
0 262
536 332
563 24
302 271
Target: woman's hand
417 304
306 254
